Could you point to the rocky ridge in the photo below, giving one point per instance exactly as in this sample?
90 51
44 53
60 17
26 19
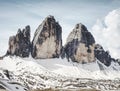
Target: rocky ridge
103 55
20 44
47 43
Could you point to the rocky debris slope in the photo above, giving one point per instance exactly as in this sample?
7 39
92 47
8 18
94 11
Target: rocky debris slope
47 41
20 44
32 75
58 82
80 45
8 83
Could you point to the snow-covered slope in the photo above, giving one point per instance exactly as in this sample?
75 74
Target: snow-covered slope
62 67
57 73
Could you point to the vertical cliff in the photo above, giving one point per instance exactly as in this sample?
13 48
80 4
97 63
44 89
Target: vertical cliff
47 41
20 44
80 45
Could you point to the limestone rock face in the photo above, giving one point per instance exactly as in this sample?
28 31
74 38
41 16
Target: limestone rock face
102 55
19 44
80 45
47 41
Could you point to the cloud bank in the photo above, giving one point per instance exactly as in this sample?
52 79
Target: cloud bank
107 32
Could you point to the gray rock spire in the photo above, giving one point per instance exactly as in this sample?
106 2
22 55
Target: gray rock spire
80 45
19 44
47 41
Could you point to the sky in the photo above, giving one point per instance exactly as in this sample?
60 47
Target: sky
16 14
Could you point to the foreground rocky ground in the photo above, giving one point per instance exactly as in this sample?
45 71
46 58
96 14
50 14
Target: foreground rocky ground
30 74
2 90
88 85
68 90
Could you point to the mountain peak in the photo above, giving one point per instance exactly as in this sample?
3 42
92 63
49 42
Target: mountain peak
50 16
80 27
80 45
47 41
50 19
20 44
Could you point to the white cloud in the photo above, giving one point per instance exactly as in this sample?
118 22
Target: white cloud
107 32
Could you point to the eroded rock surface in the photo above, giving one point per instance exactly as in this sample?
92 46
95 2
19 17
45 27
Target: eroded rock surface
102 55
19 44
47 41
80 45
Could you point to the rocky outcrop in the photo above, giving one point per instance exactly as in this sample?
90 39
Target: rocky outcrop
102 55
19 44
80 45
47 41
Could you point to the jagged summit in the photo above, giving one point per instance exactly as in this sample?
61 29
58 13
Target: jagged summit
20 44
49 19
50 16
79 33
80 27
47 41
102 55
80 45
